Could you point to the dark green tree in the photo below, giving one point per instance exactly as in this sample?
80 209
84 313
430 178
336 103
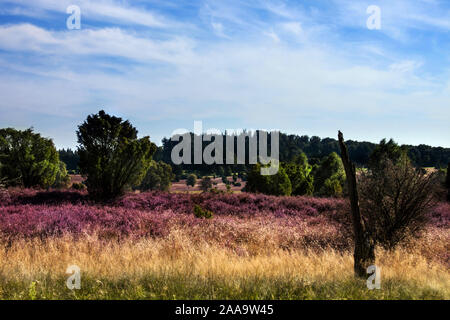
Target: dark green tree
278 184
191 180
228 171
447 182
111 156
27 158
329 176
206 184
159 176
299 173
386 150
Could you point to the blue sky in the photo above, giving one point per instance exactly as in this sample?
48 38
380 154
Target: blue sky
304 67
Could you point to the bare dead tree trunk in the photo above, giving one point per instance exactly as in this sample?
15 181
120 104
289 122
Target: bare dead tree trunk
364 254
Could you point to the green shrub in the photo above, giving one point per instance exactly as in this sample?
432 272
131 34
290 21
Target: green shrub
329 177
79 186
201 213
206 184
277 184
159 176
27 159
191 180
62 179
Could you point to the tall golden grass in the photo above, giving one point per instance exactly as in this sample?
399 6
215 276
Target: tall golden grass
210 264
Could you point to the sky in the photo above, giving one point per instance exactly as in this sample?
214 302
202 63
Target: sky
303 67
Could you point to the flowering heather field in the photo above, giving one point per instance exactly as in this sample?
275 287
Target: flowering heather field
151 246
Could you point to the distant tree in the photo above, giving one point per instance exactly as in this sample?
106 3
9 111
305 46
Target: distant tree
386 150
447 182
111 156
299 173
329 176
191 180
27 158
220 171
62 179
2 179
228 171
159 176
225 180
278 184
70 158
206 184
395 197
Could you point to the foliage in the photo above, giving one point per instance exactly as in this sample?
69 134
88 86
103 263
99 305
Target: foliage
199 212
447 181
205 184
329 176
277 184
386 150
225 180
27 158
315 149
62 179
394 199
299 173
111 156
70 158
191 180
79 186
159 176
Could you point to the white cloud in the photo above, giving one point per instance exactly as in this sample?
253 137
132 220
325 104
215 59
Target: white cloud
315 85
219 29
294 27
107 41
405 66
271 34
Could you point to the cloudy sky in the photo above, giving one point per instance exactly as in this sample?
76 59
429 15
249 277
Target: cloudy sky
304 67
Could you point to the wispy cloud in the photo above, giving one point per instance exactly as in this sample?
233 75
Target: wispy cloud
306 67
105 42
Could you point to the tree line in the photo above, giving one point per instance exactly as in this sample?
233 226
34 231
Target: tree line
113 159
291 146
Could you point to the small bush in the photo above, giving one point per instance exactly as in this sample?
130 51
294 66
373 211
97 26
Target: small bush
201 213
206 184
191 180
79 186
395 198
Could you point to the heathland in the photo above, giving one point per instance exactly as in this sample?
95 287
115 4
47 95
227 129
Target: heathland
152 246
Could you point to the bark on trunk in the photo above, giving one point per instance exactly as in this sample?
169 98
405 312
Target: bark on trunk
364 254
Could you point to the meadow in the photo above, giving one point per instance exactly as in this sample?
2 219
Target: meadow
151 246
